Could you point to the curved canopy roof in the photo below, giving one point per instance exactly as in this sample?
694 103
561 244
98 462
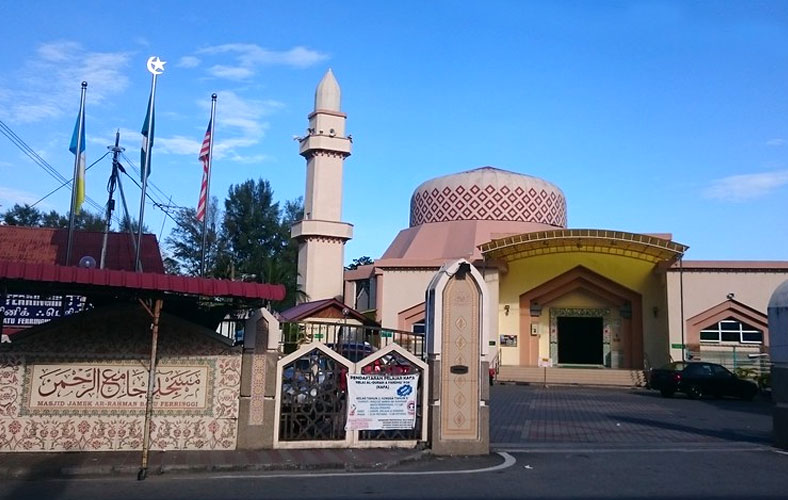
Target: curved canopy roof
637 246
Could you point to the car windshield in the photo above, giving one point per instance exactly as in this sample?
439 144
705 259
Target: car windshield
678 366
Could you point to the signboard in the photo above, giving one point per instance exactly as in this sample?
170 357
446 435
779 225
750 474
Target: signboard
677 346
23 311
116 387
545 363
379 402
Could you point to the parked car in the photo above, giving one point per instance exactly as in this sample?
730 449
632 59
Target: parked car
698 379
354 351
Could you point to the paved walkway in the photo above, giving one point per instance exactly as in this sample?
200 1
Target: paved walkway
532 416
86 464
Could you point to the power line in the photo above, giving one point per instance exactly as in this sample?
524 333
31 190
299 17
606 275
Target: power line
68 181
36 158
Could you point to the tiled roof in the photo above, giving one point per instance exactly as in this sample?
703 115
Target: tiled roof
107 278
43 245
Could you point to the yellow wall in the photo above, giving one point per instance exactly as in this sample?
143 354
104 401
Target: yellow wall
637 275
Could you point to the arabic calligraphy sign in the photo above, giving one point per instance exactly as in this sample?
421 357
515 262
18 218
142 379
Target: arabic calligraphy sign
116 387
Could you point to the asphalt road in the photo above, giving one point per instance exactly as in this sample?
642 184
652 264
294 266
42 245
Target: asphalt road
674 473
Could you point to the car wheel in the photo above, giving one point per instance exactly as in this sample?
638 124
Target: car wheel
694 392
666 393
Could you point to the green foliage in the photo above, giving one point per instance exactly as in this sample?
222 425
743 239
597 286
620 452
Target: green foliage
764 380
746 372
250 241
132 225
361 261
185 242
25 215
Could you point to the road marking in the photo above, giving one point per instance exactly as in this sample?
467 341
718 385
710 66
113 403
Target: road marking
635 450
508 461
780 452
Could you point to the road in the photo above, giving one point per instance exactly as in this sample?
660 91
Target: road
691 472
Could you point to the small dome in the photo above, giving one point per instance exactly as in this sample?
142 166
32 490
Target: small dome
488 193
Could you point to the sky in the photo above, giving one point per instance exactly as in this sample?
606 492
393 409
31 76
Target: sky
652 117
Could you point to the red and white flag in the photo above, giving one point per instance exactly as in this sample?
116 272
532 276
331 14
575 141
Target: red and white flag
205 158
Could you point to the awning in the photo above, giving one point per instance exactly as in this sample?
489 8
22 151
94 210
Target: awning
81 278
637 246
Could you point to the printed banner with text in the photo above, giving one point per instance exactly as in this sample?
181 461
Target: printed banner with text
380 402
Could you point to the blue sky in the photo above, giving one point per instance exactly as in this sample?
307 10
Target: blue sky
651 116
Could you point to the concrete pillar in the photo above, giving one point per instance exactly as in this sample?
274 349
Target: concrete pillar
458 329
258 382
778 350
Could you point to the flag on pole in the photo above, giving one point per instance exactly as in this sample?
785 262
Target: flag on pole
147 140
79 181
205 153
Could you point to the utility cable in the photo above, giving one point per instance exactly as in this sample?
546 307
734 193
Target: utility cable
69 181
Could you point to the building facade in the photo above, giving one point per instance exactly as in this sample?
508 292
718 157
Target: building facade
581 298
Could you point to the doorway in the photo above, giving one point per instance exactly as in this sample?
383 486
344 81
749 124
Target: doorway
580 340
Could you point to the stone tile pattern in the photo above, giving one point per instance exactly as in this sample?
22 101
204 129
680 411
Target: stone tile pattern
532 415
488 202
93 430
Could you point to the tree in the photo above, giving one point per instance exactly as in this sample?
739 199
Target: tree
185 241
251 227
361 261
22 215
25 215
132 225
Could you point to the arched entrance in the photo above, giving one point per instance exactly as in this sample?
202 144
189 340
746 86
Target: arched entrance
591 321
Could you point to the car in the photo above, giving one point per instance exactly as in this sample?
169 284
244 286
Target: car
697 379
353 351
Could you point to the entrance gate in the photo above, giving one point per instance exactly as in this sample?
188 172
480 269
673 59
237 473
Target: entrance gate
312 398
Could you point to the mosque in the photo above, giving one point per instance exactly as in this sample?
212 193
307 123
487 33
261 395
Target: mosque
595 305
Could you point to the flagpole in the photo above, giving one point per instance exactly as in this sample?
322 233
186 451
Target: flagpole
77 155
155 71
208 188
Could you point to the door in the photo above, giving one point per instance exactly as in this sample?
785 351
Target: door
580 340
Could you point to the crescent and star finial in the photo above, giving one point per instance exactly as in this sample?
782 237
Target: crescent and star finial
156 65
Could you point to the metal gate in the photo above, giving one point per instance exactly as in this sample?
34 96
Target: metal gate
311 394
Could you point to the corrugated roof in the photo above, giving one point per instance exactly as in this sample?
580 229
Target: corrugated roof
157 282
45 245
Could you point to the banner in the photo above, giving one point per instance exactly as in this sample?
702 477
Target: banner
380 402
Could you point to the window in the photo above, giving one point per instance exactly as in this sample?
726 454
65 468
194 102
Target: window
731 330
418 327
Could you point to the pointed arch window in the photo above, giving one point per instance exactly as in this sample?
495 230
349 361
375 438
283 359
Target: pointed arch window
731 330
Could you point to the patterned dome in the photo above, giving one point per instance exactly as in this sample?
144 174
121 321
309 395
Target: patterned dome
488 193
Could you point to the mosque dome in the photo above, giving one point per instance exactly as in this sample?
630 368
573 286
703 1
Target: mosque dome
491 194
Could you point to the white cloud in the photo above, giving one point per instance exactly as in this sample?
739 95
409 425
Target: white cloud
177 145
188 62
48 84
241 125
231 72
249 57
252 159
8 197
776 142
746 186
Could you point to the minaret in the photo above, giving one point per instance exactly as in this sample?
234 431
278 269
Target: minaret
321 236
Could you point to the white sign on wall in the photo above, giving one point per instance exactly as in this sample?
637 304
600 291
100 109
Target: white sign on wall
545 363
379 402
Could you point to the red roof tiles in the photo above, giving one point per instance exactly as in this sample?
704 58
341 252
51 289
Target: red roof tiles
48 246
50 273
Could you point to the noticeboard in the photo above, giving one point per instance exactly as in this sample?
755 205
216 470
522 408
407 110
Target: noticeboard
380 402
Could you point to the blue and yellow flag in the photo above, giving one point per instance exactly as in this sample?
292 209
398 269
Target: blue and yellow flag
79 181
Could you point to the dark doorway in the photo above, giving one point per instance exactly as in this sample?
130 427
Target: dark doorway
580 341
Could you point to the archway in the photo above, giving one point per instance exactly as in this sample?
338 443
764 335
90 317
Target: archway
614 322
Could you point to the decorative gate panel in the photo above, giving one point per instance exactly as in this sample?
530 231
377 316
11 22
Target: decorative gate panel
312 398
